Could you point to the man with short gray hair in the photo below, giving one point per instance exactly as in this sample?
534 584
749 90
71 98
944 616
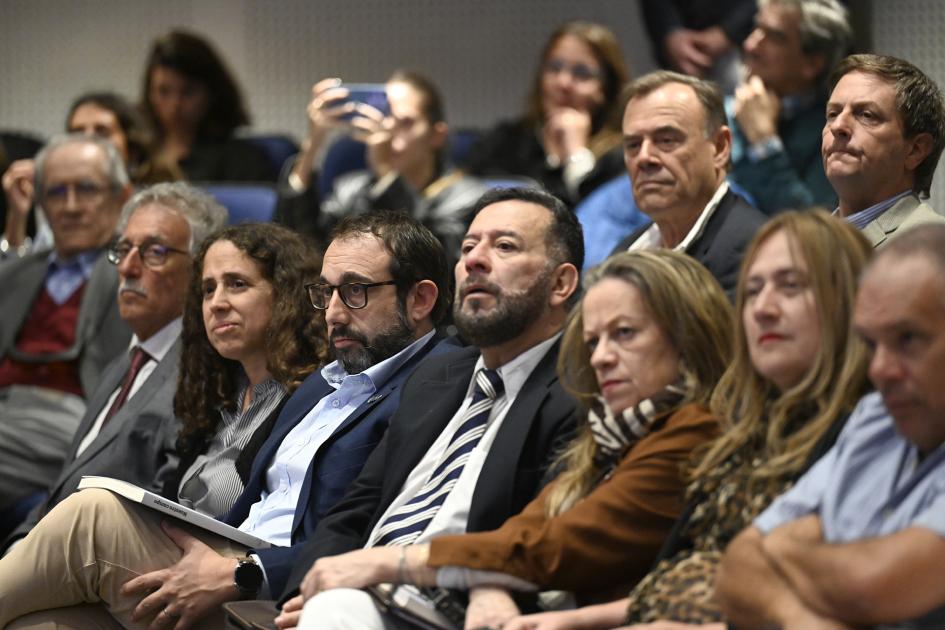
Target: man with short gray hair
777 112
59 323
129 429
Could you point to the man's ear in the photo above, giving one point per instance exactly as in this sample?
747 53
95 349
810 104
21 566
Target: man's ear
439 133
421 300
919 148
722 143
565 282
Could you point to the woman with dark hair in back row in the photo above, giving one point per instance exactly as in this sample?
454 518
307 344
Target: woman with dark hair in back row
195 104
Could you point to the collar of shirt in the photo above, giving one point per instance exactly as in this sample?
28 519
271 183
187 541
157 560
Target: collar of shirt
368 380
864 217
794 104
516 372
158 344
64 277
652 238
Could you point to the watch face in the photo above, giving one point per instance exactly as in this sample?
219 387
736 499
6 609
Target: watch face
248 577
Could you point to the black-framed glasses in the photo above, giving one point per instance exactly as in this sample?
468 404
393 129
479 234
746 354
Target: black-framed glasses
353 294
152 254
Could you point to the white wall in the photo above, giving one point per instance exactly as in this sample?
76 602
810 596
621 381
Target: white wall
482 53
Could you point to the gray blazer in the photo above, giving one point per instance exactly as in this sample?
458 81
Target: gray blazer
101 335
137 443
906 213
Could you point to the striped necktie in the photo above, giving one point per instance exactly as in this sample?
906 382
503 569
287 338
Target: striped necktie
407 522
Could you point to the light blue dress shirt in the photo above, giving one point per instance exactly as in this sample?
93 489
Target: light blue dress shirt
272 516
871 483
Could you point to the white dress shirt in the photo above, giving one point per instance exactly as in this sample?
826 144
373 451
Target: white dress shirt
651 239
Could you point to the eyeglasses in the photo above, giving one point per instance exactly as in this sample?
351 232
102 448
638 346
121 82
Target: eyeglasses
85 192
152 254
353 294
579 72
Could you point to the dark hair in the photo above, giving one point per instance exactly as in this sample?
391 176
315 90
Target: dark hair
416 254
565 238
707 93
918 100
605 122
296 336
194 57
432 103
143 165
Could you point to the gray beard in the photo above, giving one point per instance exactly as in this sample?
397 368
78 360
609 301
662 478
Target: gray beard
383 345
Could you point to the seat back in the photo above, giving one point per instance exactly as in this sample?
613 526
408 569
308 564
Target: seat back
245 202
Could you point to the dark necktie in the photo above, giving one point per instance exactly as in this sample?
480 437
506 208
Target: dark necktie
138 359
407 522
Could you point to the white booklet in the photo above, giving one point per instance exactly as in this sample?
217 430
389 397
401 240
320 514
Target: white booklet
178 511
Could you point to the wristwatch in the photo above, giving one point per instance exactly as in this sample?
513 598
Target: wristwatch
248 578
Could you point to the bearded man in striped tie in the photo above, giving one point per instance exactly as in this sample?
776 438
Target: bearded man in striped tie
476 429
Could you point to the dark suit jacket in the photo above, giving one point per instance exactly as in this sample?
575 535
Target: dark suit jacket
723 241
101 335
134 445
337 462
541 420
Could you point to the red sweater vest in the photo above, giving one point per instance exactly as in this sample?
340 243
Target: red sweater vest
49 329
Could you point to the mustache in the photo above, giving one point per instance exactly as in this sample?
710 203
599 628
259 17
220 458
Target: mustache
133 286
348 333
481 283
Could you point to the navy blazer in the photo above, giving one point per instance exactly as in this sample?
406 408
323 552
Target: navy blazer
723 241
338 460
538 424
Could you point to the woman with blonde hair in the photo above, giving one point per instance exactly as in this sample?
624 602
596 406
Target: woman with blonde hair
797 372
642 351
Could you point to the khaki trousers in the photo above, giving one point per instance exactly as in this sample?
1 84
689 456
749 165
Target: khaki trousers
82 552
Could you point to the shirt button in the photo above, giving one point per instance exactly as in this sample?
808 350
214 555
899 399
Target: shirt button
334 403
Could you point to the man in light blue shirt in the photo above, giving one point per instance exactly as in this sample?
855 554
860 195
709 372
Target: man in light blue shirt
860 539
382 288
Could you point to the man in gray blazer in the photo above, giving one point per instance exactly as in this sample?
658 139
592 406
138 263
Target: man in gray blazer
129 429
59 324
884 134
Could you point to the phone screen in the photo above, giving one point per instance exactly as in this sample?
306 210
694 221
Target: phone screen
372 94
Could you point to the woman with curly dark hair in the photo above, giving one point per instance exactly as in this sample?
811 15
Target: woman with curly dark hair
250 337
195 104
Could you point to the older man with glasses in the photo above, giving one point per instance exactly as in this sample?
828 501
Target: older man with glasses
129 429
59 322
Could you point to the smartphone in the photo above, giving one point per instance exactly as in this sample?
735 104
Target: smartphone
373 94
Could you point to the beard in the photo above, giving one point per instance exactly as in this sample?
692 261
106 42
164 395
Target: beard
370 352
511 315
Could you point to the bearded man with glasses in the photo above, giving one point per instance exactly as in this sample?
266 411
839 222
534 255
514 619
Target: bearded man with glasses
59 322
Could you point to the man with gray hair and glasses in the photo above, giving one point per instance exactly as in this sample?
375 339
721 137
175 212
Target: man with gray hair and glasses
129 429
777 112
59 322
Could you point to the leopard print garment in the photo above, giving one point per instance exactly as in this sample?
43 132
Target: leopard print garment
681 587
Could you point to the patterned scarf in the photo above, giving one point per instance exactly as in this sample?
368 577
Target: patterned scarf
616 434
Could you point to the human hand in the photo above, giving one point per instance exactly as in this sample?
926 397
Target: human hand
182 594
712 41
489 607
682 48
555 620
291 612
18 188
328 107
355 569
756 110
375 130
566 131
